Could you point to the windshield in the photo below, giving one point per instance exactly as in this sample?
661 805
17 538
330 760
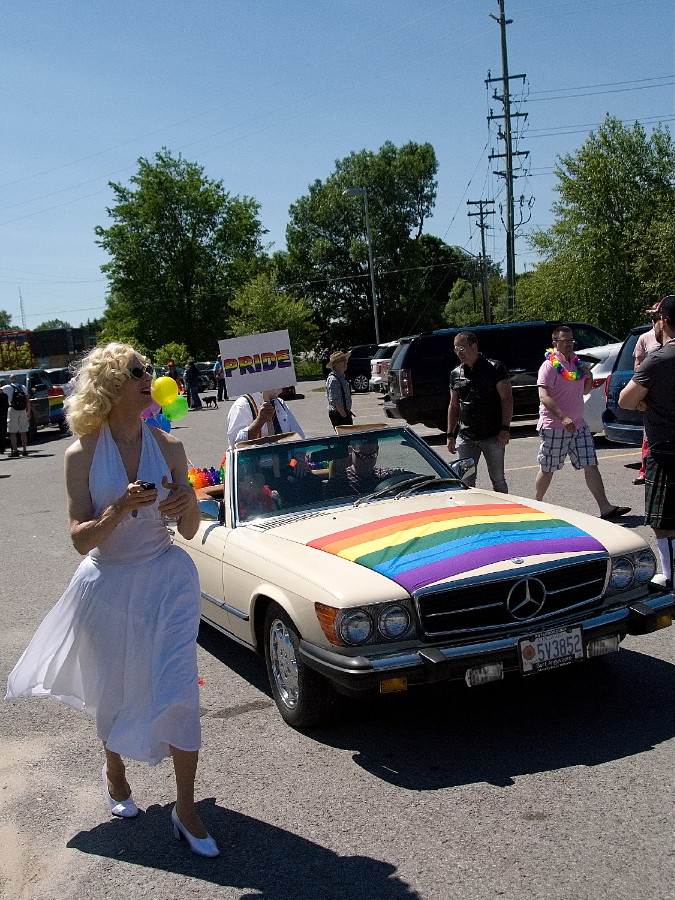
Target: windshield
293 477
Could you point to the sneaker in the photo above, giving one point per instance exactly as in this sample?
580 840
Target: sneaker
14 453
25 453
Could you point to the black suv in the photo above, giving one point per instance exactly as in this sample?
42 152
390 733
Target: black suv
419 374
358 366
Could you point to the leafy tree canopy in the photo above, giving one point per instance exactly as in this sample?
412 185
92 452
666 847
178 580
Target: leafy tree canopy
52 323
172 351
180 246
610 253
260 306
327 256
5 320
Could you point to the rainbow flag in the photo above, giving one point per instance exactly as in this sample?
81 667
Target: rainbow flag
422 548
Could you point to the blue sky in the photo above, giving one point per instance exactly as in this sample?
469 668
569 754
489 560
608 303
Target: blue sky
267 96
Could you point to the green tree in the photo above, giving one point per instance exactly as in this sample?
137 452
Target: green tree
5 320
176 352
52 323
600 258
260 306
180 246
327 256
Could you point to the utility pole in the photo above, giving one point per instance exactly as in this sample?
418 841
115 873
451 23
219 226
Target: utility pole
23 312
507 174
482 224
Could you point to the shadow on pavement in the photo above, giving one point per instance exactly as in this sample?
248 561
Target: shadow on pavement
271 863
447 735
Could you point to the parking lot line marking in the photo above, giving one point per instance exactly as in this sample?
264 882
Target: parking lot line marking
632 453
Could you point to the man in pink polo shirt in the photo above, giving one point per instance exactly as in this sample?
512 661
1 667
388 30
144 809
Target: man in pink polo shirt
562 381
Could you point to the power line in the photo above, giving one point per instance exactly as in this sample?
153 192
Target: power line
644 87
584 87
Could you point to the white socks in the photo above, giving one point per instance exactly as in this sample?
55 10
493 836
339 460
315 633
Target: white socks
665 546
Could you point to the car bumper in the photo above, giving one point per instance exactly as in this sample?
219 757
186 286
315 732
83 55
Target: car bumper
622 434
438 662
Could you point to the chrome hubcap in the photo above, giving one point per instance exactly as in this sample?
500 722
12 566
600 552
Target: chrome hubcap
284 663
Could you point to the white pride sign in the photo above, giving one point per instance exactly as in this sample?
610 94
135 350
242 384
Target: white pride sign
257 362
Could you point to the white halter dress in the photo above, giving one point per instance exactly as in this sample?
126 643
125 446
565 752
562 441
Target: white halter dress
121 642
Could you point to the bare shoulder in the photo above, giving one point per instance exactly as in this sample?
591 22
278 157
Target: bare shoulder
81 452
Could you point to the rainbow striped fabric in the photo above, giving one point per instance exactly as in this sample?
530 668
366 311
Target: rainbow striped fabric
422 548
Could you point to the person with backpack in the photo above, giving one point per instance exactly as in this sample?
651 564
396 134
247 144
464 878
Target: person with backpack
18 419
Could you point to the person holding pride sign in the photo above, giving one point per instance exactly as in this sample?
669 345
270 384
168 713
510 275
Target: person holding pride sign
256 368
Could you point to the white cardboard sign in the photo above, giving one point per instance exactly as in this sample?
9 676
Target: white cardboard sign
257 362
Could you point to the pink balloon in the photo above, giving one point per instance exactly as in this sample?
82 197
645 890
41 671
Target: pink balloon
151 411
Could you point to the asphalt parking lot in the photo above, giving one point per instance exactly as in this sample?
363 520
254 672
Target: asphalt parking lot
552 787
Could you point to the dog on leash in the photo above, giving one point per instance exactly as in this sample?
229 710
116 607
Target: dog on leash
210 400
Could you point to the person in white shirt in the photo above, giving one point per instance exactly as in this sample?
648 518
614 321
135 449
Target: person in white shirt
18 420
252 417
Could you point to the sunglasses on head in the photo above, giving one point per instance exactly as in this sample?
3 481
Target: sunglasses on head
139 372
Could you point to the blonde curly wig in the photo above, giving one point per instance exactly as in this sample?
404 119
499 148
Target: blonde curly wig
96 386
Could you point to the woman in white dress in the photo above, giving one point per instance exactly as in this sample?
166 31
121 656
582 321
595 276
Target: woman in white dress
121 642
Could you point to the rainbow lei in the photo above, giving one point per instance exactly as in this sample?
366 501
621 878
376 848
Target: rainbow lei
566 373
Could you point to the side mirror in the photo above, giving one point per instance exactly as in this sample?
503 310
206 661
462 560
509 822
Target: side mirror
212 509
463 468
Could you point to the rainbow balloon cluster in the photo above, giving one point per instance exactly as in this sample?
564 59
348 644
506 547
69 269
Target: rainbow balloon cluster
200 478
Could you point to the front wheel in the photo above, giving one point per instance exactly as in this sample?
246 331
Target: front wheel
304 698
360 383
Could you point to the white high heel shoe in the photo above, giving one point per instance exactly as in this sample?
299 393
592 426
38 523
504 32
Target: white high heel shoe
201 846
126 809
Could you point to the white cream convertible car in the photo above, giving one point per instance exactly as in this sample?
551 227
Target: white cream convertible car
362 562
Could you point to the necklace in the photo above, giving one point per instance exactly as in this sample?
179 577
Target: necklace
566 373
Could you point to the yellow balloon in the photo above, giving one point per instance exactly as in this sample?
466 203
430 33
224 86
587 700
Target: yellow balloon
164 391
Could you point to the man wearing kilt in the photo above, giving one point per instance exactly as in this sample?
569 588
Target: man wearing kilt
652 390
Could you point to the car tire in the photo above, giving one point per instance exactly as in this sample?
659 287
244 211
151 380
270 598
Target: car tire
360 384
304 698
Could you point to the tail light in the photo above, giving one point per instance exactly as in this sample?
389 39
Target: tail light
597 382
405 382
607 381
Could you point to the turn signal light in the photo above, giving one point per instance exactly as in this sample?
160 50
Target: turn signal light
327 616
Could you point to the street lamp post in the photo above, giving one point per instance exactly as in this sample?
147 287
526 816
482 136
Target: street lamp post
363 192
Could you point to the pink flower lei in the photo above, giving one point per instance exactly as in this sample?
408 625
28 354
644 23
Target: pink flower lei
566 373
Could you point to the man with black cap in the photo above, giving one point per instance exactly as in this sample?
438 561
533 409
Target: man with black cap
652 390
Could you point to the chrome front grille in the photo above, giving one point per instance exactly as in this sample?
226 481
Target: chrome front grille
481 605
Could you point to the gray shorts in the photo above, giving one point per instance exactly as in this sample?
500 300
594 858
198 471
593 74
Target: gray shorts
17 421
556 444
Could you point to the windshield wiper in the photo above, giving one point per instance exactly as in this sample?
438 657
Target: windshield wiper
431 481
407 482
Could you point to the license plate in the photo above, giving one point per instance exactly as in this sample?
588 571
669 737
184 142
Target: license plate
550 650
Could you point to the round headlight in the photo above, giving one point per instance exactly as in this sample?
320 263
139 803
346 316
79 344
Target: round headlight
645 566
393 622
622 574
356 626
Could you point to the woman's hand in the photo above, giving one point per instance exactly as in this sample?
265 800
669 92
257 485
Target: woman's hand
138 495
180 500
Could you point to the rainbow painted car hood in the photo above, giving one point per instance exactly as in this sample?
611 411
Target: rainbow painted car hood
420 548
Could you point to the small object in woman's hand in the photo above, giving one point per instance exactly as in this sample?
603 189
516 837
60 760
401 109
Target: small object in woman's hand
146 485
